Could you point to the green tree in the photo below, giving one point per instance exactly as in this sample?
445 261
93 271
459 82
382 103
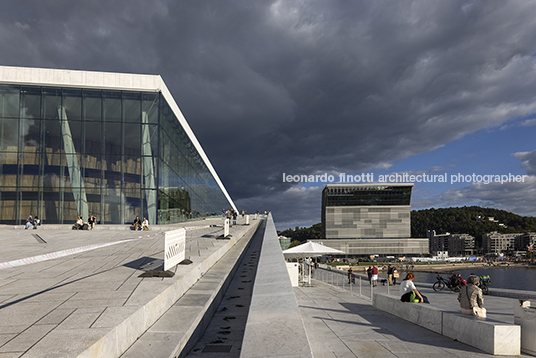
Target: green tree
294 243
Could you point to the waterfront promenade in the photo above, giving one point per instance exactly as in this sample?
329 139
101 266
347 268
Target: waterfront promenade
343 324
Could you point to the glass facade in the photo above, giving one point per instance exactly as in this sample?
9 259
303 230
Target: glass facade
66 152
367 195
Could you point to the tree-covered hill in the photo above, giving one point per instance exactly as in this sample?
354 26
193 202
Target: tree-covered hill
464 221
453 220
303 234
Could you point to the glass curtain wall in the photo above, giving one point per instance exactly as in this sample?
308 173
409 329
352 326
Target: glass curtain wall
66 152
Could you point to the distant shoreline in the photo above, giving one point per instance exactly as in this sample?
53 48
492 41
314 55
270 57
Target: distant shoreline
449 268
435 268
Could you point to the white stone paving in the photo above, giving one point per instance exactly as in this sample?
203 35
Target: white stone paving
71 306
340 324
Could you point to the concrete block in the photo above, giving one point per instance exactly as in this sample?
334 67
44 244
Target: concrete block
492 337
525 316
421 314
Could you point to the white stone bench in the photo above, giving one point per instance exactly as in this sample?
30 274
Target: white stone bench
490 336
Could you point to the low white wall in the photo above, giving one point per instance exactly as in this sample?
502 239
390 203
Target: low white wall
421 314
274 327
491 337
525 316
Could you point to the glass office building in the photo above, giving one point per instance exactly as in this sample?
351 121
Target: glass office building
366 211
370 219
113 145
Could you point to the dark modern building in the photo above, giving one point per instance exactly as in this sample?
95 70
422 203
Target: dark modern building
114 145
369 219
452 244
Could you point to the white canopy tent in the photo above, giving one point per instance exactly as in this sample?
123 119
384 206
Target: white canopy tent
308 250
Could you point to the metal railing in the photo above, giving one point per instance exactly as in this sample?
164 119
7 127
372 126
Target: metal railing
360 286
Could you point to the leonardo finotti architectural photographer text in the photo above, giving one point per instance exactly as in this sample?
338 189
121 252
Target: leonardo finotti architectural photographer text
405 178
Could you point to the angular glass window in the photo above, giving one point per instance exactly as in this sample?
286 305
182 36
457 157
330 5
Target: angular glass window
112 106
112 138
92 169
52 132
150 102
30 135
52 172
9 101
111 210
9 135
92 137
72 136
92 105
31 102
132 139
131 172
51 103
132 107
149 140
72 100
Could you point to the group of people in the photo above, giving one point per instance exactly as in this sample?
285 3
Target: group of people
89 225
392 275
32 222
140 225
231 214
372 273
470 295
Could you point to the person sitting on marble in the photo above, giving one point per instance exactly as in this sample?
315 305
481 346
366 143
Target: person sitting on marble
408 291
470 298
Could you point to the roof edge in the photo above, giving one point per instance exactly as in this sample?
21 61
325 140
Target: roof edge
77 78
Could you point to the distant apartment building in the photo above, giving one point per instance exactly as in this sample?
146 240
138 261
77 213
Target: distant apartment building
495 242
526 241
369 219
454 244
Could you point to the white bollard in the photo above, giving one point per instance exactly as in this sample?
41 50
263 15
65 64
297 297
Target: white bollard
226 228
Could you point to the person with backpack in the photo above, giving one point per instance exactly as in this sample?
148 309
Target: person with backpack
408 291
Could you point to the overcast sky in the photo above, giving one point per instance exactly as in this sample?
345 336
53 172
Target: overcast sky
319 86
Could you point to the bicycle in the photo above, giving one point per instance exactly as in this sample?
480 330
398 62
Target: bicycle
484 283
441 283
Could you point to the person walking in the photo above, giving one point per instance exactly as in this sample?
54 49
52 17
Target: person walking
350 273
374 276
369 274
390 271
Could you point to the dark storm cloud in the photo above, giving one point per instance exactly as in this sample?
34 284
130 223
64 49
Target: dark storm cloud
300 86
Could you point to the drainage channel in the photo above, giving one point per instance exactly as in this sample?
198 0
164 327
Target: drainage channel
225 331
